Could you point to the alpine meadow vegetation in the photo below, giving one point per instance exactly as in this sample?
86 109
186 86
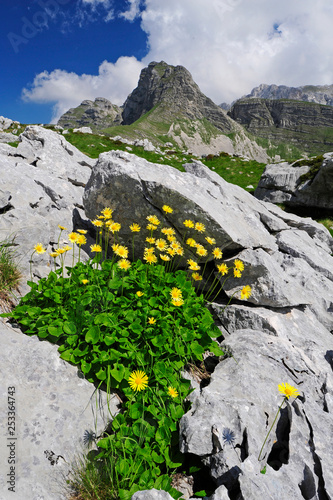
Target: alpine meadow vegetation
132 327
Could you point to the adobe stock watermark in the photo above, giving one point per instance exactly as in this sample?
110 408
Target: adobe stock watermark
31 27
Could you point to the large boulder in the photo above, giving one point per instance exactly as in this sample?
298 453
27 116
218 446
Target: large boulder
306 186
282 333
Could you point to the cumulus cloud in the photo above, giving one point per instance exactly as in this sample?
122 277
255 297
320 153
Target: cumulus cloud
66 90
229 46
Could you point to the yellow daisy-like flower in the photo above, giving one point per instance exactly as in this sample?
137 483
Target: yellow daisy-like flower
62 228
150 240
188 223
113 226
177 302
223 269
200 227
174 244
171 252
97 223
67 248
246 292
95 248
107 213
151 321
150 250
217 253
171 238
124 264
161 244
60 251
82 231
211 241
151 227
201 251
122 252
288 390
84 281
135 228
180 251
193 265
167 209
176 293
153 220
81 239
191 242
138 380
237 273
72 237
164 257
239 265
196 276
139 294
168 231
115 246
172 392
150 258
39 248
54 254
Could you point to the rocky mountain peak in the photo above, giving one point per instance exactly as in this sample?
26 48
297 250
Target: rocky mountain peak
161 83
97 114
320 94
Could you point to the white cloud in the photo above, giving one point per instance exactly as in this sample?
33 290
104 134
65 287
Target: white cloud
66 90
229 46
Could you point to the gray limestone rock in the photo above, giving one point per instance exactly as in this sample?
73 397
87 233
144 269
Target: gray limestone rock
54 409
151 495
7 137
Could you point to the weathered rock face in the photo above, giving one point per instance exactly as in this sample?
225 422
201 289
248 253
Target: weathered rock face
283 183
282 333
98 115
320 94
41 184
303 124
161 83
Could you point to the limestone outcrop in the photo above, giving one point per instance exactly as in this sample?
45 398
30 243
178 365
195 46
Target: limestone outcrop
307 186
98 114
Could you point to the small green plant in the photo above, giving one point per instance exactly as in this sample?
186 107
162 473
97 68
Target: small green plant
131 327
10 274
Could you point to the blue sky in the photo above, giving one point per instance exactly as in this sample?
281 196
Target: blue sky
55 53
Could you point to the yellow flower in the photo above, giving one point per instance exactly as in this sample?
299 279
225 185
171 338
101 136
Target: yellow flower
150 250
97 223
72 237
62 228
180 251
150 258
113 226
217 253
171 238
151 240
151 321
201 251
245 292
82 231
135 228
191 242
84 281
168 231
193 265
95 248
54 254
139 294
172 392
115 246
211 241
164 257
122 252
176 293
196 277
153 220
124 264
67 248
200 227
188 223
161 244
138 380
81 239
107 213
288 390
239 265
237 273
151 227
39 248
174 244
223 269
167 209
60 251
171 252
177 302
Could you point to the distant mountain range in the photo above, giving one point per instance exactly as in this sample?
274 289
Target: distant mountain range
168 106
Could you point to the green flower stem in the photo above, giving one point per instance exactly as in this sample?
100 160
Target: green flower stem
284 399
